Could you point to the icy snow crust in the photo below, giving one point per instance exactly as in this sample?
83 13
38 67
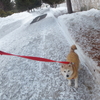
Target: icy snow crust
22 79
84 27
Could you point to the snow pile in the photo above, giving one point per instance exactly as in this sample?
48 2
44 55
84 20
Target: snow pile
59 11
62 5
84 28
15 21
45 5
13 18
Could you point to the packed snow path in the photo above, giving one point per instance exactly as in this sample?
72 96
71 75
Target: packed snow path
22 79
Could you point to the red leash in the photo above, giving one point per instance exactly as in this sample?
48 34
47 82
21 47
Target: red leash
33 58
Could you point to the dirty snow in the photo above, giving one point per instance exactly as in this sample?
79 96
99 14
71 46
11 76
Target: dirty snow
22 79
84 28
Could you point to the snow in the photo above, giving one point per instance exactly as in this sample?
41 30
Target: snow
85 31
58 11
44 5
23 79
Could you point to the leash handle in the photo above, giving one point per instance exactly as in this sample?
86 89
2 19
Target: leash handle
33 58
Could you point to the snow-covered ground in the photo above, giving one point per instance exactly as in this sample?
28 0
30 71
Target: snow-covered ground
23 79
84 30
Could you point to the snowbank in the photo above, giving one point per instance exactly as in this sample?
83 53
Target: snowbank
13 18
58 11
84 29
